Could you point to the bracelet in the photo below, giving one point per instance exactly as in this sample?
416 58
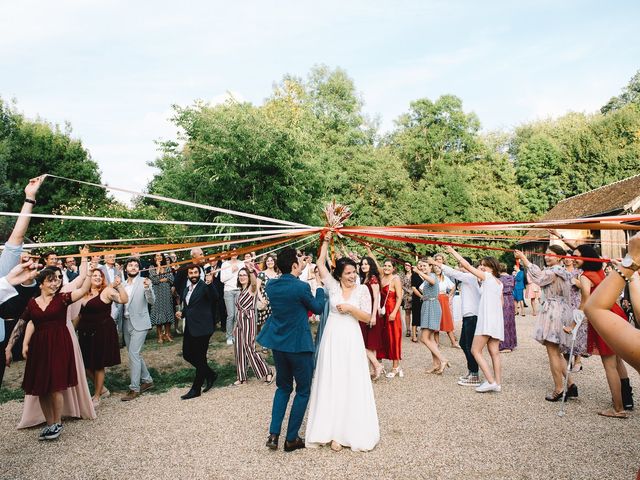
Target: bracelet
619 272
30 200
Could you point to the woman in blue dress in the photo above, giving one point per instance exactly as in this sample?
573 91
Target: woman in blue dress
430 315
518 290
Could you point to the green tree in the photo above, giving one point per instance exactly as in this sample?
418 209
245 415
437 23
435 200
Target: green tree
630 94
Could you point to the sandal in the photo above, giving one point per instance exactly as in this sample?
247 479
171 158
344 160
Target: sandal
237 383
414 340
105 393
269 378
611 413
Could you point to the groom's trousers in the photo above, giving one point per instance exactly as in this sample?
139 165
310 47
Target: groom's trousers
290 367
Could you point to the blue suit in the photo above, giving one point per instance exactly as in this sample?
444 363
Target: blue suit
288 335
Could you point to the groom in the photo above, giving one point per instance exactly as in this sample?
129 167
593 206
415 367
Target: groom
287 334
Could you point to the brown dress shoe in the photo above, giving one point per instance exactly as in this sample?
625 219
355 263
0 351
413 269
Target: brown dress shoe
130 395
146 386
272 441
294 445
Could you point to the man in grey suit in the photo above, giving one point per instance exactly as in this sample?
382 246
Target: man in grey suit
135 324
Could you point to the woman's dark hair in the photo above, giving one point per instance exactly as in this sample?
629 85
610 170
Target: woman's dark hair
48 273
272 257
163 262
373 269
557 249
589 252
341 264
493 264
286 259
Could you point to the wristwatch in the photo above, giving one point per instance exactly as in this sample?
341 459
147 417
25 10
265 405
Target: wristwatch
630 263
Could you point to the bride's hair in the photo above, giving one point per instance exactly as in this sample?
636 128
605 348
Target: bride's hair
341 264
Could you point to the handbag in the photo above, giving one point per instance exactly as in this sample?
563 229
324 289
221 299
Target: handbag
382 310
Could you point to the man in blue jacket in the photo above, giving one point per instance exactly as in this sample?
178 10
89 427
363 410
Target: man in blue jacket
288 335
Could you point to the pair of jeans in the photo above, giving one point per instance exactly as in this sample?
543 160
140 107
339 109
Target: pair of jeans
230 297
466 340
138 369
290 366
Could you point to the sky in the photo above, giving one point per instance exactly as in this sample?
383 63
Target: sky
113 69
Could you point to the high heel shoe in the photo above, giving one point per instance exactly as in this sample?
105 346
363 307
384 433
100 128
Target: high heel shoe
395 371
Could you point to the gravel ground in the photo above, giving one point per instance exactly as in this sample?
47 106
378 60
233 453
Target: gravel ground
430 428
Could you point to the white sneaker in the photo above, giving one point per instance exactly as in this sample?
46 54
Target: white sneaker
488 387
229 341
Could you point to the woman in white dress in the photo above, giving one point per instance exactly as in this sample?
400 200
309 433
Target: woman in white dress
342 408
490 326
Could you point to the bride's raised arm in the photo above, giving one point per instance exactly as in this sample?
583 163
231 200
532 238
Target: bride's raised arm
322 259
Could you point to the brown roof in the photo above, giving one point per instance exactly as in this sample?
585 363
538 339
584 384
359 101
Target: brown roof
618 197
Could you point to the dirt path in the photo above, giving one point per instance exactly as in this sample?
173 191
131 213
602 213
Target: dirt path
430 428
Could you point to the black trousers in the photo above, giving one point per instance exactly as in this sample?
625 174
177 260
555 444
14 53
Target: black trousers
194 351
466 339
416 309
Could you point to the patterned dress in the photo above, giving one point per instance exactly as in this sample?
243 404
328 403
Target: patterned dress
508 313
406 292
431 311
580 347
266 312
556 311
162 310
245 334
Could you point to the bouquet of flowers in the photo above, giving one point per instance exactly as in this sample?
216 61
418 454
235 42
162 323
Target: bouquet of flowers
336 214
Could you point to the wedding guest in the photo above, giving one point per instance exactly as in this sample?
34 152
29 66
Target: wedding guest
391 295
621 336
229 276
580 343
446 290
269 271
49 259
508 311
162 311
416 299
342 408
556 312
430 316
48 349
614 368
136 323
518 290
490 327
372 331
532 292
97 333
70 270
198 311
244 333
407 295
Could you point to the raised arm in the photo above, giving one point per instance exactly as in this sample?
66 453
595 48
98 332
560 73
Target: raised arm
620 335
569 243
464 264
322 258
20 229
82 284
373 256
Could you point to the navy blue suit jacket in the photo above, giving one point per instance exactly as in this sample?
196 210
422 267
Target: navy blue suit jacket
287 329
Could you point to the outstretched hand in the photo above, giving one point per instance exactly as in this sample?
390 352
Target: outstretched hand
22 273
33 186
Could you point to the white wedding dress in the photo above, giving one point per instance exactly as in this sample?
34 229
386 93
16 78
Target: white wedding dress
342 406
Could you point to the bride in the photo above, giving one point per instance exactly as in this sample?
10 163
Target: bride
342 408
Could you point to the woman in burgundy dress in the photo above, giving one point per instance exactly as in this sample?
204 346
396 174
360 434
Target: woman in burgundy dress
47 346
97 331
615 371
372 333
391 300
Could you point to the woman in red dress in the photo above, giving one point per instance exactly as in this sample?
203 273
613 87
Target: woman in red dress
372 333
391 300
97 333
616 372
47 346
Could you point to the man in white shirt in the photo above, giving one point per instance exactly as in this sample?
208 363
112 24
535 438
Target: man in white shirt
470 293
